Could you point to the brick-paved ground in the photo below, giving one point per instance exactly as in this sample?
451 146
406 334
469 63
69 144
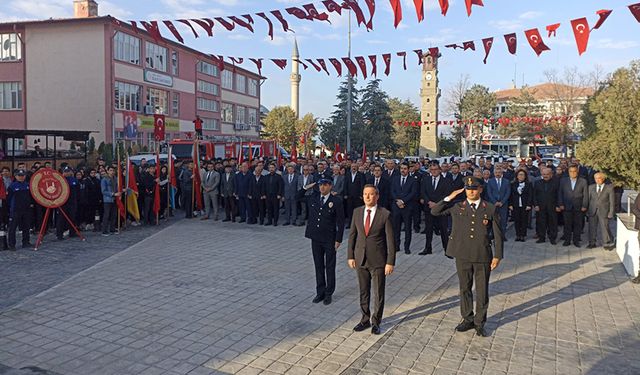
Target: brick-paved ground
204 297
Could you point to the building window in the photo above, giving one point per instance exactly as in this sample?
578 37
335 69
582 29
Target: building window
241 113
10 47
210 124
127 97
252 117
253 87
127 48
155 57
208 69
241 83
227 80
174 63
207 105
175 105
10 95
227 112
207 87
158 101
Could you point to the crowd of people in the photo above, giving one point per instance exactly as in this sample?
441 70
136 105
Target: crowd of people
262 192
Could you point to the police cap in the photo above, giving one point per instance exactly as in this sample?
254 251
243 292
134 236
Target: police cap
323 181
21 172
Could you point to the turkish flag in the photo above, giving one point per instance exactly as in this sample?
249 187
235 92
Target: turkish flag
580 28
487 43
337 66
153 29
281 63
323 65
294 153
552 29
156 188
269 23
535 41
419 9
353 69
186 22
363 65
387 62
512 42
374 66
173 30
364 152
444 6
603 14
434 52
404 59
635 10
158 127
371 4
469 45
469 3
396 6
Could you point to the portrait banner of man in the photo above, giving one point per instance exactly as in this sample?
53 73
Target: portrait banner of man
130 121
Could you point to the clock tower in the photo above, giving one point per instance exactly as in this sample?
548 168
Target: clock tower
429 95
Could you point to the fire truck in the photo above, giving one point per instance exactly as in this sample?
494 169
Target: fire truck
182 149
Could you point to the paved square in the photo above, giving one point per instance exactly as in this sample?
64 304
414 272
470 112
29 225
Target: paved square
204 297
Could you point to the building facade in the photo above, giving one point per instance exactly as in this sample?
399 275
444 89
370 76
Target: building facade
101 75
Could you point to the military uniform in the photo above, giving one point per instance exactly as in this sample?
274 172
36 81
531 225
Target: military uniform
325 227
470 244
20 208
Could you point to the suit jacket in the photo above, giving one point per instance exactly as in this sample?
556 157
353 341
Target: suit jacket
602 204
353 189
211 184
301 184
290 189
470 239
499 195
384 189
408 192
635 209
545 194
227 187
573 199
257 186
526 196
456 183
326 222
427 193
376 249
394 174
338 185
273 185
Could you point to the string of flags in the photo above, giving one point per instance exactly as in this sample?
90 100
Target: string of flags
367 65
504 121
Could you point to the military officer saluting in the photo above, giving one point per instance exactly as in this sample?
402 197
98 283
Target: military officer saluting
470 244
325 229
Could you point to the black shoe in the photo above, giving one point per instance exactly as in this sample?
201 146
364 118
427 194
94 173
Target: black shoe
436 232
577 244
566 243
327 299
591 246
12 248
417 230
553 242
425 252
225 220
361 326
267 223
480 331
407 251
275 224
636 280
318 299
540 240
424 231
241 221
450 257
27 244
375 329
504 239
465 326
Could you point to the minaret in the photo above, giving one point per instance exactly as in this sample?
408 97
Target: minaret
295 80
429 95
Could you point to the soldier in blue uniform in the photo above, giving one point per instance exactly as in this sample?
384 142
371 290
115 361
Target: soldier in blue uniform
470 244
20 208
70 207
325 229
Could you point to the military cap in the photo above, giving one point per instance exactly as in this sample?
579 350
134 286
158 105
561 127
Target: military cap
323 181
472 183
67 169
21 172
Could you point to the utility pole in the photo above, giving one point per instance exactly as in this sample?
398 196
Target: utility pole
349 92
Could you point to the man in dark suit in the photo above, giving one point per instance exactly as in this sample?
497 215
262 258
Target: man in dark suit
227 191
498 194
455 178
372 254
258 196
473 221
390 169
573 200
415 172
545 204
290 183
434 188
325 229
383 186
274 188
404 190
353 185
601 210
242 186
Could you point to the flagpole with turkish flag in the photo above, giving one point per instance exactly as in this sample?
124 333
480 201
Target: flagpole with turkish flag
196 196
364 152
132 191
156 190
173 182
158 127
122 213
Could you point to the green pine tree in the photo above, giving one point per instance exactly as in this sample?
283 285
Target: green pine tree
377 125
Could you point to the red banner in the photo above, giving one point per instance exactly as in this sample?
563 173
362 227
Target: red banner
158 127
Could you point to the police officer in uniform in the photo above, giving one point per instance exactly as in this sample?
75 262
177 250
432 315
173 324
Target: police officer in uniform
325 229
470 244
70 207
20 208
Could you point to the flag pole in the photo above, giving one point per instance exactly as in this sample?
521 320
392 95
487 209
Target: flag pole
119 188
157 182
169 172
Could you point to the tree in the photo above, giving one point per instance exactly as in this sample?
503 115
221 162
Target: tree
523 107
477 103
334 130
280 125
307 127
614 146
377 131
406 137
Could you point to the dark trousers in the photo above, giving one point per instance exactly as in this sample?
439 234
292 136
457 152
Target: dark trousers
600 222
258 210
402 215
229 208
432 223
366 277
468 272
352 204
547 223
324 260
521 218
417 212
573 221
244 206
62 224
148 210
109 217
504 218
23 221
187 204
273 209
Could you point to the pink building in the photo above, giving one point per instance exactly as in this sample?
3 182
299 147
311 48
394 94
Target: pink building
96 74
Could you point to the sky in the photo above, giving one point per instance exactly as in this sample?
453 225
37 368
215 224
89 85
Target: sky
614 45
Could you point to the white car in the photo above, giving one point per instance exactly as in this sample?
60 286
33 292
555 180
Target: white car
151 158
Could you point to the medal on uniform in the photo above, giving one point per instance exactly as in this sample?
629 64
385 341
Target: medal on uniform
330 204
485 221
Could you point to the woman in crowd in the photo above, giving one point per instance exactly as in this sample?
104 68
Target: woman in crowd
520 203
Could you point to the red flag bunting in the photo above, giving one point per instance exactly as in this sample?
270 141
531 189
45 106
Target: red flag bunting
269 23
315 66
332 6
323 65
580 28
487 43
552 29
353 5
219 61
226 24
241 23
206 24
363 65
419 4
283 22
454 46
336 64
314 14
134 26
186 22
371 5
434 52
603 14
635 10
396 6
535 41
444 6
469 45
153 29
374 66
470 3
353 69
404 59
281 63
305 66
258 63
512 42
299 13
420 55
173 30
387 62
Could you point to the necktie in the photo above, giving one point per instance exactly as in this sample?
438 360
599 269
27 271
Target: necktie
433 183
290 178
499 183
402 182
208 175
599 189
322 200
367 223
473 207
376 184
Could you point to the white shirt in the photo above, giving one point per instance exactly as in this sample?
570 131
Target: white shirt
373 214
324 198
353 176
376 181
477 203
599 188
435 186
573 184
